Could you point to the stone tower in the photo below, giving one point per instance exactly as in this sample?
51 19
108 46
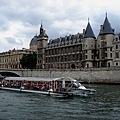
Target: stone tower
104 45
42 41
88 47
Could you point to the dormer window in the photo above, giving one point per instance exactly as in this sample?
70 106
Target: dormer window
116 39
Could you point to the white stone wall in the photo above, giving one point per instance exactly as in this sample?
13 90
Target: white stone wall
97 76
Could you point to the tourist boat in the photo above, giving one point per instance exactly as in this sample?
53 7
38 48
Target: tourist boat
79 89
57 87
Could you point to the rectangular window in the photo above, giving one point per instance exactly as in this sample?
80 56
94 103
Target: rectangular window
105 54
92 56
111 55
117 54
87 65
111 49
105 49
116 46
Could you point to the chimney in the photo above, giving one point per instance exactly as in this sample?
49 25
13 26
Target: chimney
101 29
83 32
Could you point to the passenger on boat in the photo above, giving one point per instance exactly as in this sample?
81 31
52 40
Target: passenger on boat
43 87
50 89
62 89
24 85
0 83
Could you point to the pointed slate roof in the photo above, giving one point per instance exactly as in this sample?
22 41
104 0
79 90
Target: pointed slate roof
42 32
89 31
41 29
107 27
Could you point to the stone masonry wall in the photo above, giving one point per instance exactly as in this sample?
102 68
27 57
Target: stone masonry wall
94 76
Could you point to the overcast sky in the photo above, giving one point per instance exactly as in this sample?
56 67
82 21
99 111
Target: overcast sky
20 19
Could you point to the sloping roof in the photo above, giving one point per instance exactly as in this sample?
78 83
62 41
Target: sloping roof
55 41
34 40
66 39
89 31
107 27
42 32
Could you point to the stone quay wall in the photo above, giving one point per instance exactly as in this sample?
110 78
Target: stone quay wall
93 75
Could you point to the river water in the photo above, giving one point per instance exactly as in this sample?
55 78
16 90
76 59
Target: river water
104 105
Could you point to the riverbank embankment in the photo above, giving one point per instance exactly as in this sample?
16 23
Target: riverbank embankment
93 75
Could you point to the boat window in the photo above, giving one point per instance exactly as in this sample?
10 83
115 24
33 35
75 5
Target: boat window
76 84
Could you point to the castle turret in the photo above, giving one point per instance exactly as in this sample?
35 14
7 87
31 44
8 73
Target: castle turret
106 27
42 41
104 44
88 47
89 32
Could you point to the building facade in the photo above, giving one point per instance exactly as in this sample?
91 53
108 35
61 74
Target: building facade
11 58
82 50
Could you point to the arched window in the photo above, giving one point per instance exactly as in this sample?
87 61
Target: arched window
73 66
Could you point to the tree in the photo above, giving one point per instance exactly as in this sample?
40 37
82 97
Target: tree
29 61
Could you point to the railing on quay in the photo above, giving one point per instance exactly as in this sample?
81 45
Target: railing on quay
75 69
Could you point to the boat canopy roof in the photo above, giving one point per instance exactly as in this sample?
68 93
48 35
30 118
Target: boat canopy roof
39 79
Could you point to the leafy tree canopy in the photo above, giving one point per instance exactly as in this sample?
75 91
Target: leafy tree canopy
29 61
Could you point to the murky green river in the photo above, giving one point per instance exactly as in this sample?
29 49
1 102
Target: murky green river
104 105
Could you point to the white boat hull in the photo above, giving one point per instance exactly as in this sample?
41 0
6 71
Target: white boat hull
49 93
83 92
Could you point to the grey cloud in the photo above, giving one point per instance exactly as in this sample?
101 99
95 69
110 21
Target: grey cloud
30 13
12 40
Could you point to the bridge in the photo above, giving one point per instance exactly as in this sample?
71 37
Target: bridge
12 72
25 73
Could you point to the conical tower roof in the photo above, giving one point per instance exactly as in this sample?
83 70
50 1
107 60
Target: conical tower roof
107 27
89 31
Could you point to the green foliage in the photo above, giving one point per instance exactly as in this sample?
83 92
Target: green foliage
29 61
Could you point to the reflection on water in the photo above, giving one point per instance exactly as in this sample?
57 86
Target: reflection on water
104 105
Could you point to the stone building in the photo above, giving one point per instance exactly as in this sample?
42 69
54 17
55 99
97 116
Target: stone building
116 50
79 50
108 46
88 47
33 43
60 53
73 51
11 58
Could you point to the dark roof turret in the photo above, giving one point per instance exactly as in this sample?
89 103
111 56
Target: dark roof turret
106 28
89 31
42 32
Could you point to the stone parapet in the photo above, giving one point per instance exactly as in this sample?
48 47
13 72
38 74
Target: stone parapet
93 75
